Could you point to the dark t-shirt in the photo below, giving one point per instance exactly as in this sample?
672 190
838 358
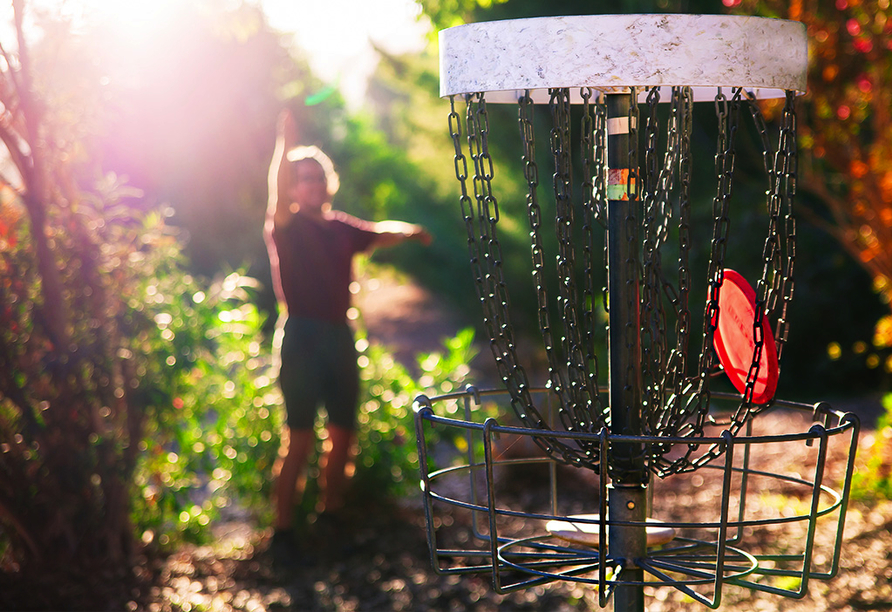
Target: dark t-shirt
315 263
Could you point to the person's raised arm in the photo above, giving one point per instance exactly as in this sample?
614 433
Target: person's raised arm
279 173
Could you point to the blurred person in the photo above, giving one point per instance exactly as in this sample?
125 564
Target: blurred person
311 248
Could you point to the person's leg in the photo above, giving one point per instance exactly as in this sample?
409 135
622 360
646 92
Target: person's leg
300 443
341 402
299 380
335 472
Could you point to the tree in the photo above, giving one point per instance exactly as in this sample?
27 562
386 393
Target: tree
66 372
136 401
113 361
846 125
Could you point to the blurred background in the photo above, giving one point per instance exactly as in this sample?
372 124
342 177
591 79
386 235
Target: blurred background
178 100
136 307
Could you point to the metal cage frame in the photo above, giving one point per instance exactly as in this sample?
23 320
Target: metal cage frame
698 566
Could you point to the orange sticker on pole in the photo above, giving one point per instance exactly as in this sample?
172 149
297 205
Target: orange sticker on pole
618 183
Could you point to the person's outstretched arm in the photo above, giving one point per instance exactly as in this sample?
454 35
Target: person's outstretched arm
392 233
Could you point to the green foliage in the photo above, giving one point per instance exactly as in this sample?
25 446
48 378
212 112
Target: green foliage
169 385
448 13
68 431
388 457
873 476
212 428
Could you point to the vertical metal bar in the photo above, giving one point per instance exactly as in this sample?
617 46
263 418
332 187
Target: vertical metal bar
423 407
808 551
552 464
471 394
722 539
627 541
744 483
847 486
627 500
603 550
488 424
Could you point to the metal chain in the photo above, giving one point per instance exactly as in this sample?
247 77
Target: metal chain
724 164
727 115
669 411
590 173
601 183
600 169
769 285
567 388
781 168
537 249
675 401
486 255
653 321
680 139
566 410
683 106
579 392
787 171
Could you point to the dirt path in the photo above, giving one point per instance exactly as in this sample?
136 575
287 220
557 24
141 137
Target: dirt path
403 315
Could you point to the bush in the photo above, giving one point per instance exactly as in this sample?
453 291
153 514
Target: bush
155 415
212 429
873 476
388 457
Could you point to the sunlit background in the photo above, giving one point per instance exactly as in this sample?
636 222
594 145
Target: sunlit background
338 36
185 90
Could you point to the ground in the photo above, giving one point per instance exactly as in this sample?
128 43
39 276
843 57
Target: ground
378 559
376 556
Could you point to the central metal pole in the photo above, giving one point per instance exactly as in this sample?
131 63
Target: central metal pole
627 494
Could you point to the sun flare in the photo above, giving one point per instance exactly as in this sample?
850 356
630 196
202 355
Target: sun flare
135 18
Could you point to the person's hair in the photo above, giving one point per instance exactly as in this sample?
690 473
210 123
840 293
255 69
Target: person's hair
313 153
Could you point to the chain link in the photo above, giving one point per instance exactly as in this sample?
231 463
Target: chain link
680 138
786 188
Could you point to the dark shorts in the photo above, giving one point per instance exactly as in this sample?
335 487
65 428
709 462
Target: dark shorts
319 368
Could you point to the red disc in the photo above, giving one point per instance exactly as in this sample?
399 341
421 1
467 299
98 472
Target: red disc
734 341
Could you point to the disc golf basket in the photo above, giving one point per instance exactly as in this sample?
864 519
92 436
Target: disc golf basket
629 252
